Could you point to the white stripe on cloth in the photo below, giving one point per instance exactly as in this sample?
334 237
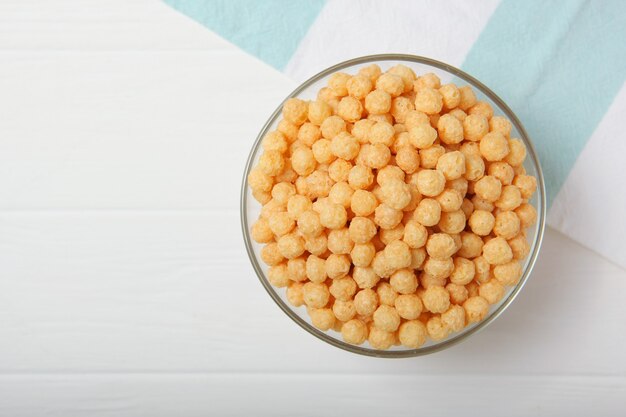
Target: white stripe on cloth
590 205
344 29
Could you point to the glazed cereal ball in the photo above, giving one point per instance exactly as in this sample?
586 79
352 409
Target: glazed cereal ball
458 293
344 310
510 198
322 318
316 245
371 71
519 246
281 223
397 255
527 215
407 75
492 291
502 171
333 216
360 177
303 161
450 129
428 212
261 231
350 109
377 156
439 268
408 306
450 200
354 332
430 156
337 266
464 271
482 204
381 339
315 295
474 168
440 246
452 165
391 84
341 193
400 107
338 83
527 185
389 173
289 130
362 254
332 126
366 302
488 188
452 222
451 96
422 136
339 170
517 152
387 217
278 276
295 111
454 318
322 151
362 230
291 246
483 108
294 294
381 132
378 102
507 224
386 318
407 158
468 99
418 256
497 251
436 299
468 207
365 277
315 269
275 141
500 124
343 289
309 133
361 129
508 273
359 86
363 203
396 194
430 182
259 180
415 234
319 111
428 100
481 222
344 146
476 308
458 113
389 235
482 268
412 334
309 224
404 281
386 294
283 191
471 245
318 184
339 241
416 118
494 146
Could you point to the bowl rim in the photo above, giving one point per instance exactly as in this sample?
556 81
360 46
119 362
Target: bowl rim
536 245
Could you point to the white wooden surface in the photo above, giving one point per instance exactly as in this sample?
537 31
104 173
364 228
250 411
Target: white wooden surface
124 285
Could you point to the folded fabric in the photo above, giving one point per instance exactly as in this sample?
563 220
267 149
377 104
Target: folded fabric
560 66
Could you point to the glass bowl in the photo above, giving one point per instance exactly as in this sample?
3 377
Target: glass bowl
250 208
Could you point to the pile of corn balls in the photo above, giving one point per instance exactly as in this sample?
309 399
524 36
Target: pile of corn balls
394 207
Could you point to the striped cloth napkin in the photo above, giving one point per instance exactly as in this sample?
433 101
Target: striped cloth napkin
560 66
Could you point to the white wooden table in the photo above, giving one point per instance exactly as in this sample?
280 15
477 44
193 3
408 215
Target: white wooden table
124 285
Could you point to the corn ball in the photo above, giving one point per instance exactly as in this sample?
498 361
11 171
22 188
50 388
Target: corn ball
416 118
396 194
372 71
398 254
468 98
452 222
386 318
404 281
386 294
452 165
294 294
338 83
500 124
262 197
415 234
278 276
333 216
458 293
412 334
261 231
463 272
527 215
361 229
341 193
519 246
366 302
454 318
339 241
295 111
497 251
378 102
494 146
508 273
344 310
303 161
526 184
510 198
308 134
450 129
377 156
363 203
428 100
507 225
517 153
391 84
316 245
322 318
389 235
381 339
429 80
468 207
492 291
365 277
483 108
291 246
400 107
289 130
437 330
428 212
360 177
408 159
359 86
488 188
361 129
440 246
343 289
381 132
476 308
337 266
471 245
502 171
418 256
422 136
387 217
439 268
350 109
354 332
430 182
430 156
315 295
482 269
451 96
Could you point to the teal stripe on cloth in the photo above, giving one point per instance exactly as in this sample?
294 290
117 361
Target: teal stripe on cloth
270 30
559 65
